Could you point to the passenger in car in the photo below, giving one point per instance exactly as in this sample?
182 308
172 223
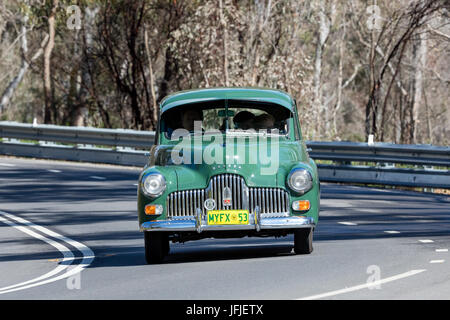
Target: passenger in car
244 120
264 121
189 116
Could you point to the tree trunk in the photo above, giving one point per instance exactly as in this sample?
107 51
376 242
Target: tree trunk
225 44
322 36
340 80
9 91
12 86
263 15
428 116
80 112
420 59
48 95
154 110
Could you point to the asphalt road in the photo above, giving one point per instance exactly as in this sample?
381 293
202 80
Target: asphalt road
70 231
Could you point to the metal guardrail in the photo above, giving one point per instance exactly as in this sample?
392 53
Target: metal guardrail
350 162
348 156
424 155
111 146
77 135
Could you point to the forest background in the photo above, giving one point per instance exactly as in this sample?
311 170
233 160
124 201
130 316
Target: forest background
356 68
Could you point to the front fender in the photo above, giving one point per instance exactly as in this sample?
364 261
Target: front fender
143 200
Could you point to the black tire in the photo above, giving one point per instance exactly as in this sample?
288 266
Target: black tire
303 241
166 245
156 247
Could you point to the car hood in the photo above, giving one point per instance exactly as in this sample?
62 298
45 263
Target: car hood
264 164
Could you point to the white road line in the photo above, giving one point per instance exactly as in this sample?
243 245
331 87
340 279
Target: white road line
88 254
426 241
348 223
441 250
66 261
97 177
7 165
364 286
437 261
54 171
392 232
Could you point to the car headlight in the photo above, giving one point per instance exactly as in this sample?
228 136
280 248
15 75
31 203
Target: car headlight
153 185
300 180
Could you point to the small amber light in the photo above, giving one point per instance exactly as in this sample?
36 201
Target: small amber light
153 209
150 209
304 205
301 205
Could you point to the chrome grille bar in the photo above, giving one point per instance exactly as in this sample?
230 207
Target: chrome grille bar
270 200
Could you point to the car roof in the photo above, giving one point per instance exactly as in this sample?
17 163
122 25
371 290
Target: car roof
214 94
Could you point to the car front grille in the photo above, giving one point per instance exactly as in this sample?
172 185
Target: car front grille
269 200
273 201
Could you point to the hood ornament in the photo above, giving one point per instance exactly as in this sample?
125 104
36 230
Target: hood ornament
226 196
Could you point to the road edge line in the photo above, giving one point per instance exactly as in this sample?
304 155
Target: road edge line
364 286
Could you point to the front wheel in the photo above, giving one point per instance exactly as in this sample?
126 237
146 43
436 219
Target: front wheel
156 247
303 241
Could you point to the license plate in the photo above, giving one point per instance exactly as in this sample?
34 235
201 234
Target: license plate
227 217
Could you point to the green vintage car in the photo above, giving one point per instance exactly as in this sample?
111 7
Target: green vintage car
227 162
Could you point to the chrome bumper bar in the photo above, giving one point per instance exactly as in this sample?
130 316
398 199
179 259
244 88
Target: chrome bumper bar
256 223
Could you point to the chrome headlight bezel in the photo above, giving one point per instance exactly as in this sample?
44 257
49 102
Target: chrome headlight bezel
306 180
145 184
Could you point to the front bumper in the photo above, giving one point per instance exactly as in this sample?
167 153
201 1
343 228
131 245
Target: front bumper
256 222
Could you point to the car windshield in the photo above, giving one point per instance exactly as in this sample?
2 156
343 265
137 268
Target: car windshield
229 117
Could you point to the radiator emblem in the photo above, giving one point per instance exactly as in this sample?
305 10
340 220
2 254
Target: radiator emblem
209 204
